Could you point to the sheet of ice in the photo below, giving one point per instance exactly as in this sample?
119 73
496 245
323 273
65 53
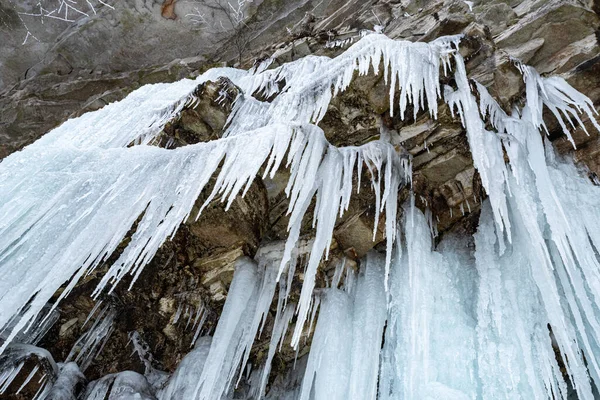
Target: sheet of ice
368 323
329 363
182 384
430 336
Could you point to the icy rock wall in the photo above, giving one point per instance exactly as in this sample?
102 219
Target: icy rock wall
440 339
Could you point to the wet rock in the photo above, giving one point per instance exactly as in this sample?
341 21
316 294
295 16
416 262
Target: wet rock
168 9
355 235
204 119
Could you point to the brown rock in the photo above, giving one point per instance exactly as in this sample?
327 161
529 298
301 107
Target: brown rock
167 10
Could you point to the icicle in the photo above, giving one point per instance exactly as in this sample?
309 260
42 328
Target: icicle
237 314
264 298
485 146
28 379
339 270
329 362
428 325
36 330
315 303
368 321
15 357
183 382
431 223
199 324
178 313
91 343
282 320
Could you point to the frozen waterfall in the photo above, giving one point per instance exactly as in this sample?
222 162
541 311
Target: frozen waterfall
511 313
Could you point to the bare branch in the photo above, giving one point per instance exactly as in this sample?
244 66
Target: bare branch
197 17
60 10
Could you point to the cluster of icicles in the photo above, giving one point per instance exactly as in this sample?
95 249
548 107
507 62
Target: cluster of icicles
417 323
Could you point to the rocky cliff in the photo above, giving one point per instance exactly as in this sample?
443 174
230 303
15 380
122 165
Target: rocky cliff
68 68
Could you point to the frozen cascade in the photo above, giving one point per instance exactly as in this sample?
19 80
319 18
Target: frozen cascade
429 350
561 254
116 184
182 384
464 320
330 359
505 309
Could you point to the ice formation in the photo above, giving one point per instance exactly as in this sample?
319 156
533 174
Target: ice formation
517 317
13 359
125 385
429 350
91 343
344 357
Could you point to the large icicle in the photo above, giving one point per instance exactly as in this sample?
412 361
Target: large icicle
329 362
429 350
182 384
233 326
562 250
368 320
486 147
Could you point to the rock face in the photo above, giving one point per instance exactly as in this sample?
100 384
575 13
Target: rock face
81 66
